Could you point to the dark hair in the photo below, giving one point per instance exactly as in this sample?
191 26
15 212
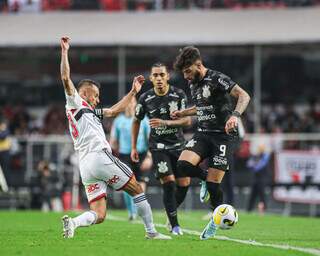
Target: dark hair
85 82
159 65
187 56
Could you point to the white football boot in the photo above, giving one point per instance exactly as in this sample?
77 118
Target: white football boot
157 235
68 226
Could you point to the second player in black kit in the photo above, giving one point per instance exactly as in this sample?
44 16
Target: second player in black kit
166 138
217 121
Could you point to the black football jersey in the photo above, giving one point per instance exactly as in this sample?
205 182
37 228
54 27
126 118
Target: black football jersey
155 106
212 100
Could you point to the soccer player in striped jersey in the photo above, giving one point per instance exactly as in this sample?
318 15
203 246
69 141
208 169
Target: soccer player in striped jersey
98 167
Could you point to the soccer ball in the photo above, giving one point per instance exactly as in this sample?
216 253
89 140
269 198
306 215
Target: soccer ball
225 216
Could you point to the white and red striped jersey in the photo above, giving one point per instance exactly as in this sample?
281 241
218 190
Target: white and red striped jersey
85 127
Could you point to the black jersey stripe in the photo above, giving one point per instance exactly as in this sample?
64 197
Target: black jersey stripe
118 163
83 111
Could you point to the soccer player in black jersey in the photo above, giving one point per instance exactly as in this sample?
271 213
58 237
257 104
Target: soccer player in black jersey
166 138
217 123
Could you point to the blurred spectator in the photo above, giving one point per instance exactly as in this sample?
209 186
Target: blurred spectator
112 5
50 5
20 121
24 5
54 121
5 146
51 186
3 5
258 164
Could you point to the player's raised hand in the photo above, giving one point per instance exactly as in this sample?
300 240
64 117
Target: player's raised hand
64 42
231 124
134 156
137 83
156 122
176 114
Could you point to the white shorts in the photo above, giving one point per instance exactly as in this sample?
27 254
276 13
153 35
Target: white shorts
101 169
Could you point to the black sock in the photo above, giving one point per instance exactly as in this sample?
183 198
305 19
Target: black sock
181 193
216 194
169 201
189 170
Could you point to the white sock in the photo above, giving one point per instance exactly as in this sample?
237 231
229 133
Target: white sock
144 211
85 219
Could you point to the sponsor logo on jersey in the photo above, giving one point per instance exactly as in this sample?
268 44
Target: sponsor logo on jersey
191 143
173 106
152 111
174 95
206 91
163 111
198 96
224 83
218 160
163 130
149 97
92 187
113 180
162 167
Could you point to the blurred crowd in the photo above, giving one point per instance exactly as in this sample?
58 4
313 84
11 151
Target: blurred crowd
144 5
278 118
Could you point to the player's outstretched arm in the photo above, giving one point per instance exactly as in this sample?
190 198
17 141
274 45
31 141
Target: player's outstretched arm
65 67
134 136
192 111
181 122
122 104
242 103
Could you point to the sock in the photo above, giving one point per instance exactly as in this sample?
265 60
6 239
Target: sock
216 194
85 219
181 193
144 211
190 170
169 201
132 210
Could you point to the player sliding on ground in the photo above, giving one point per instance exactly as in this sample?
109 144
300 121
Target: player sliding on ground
98 167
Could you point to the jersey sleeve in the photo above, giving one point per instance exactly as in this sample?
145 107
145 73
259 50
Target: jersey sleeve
73 101
140 109
225 83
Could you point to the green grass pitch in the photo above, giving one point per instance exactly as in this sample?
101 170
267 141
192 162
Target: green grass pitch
36 233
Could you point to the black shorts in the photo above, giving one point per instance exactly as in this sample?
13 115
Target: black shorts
165 163
135 167
218 148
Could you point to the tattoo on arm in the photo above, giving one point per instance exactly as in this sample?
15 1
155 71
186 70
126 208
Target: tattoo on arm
243 98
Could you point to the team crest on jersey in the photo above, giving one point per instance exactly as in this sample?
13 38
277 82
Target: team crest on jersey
163 111
173 106
162 167
191 143
206 91
138 109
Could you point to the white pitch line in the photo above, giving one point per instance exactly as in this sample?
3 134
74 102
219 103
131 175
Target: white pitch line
312 251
